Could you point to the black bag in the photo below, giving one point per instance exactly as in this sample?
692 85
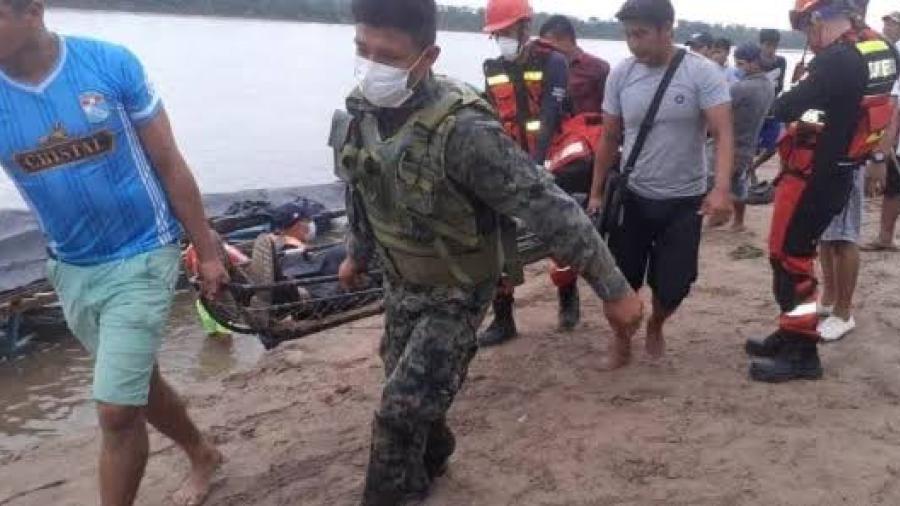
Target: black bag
613 212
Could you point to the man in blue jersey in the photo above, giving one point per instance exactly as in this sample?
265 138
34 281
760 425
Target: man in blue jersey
86 140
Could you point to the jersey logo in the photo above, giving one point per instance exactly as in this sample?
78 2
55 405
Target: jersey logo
58 149
95 106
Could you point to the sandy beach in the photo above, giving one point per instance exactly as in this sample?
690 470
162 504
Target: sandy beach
540 422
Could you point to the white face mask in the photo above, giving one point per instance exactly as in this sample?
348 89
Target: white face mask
383 85
509 47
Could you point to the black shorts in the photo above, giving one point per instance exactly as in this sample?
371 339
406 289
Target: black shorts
576 177
660 242
892 186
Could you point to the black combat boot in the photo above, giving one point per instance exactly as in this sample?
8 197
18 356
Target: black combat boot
569 307
503 328
396 474
441 445
765 348
796 359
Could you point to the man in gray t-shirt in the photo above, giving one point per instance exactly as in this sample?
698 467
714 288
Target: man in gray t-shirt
751 100
672 162
659 239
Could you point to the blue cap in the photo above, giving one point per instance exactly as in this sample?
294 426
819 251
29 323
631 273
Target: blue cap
748 52
286 215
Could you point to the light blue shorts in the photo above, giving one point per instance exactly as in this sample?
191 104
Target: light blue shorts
847 226
119 311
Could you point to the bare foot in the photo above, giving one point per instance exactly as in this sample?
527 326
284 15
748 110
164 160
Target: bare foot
199 482
655 345
619 352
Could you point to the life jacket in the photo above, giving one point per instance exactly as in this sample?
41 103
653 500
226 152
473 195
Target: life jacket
427 230
516 89
579 139
797 146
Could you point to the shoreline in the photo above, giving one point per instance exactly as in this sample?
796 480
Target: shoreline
283 19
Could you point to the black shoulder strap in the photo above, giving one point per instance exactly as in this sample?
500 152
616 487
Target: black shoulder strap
650 118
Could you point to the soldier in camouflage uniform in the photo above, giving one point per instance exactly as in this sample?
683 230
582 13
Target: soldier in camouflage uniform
430 172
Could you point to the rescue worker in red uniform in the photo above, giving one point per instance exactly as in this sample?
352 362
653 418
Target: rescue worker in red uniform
527 85
837 114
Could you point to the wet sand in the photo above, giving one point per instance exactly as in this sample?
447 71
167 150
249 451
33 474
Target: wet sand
540 422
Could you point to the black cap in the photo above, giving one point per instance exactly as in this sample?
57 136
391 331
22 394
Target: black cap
286 215
657 12
769 35
702 39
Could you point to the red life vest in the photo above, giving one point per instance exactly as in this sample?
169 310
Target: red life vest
516 90
797 146
578 139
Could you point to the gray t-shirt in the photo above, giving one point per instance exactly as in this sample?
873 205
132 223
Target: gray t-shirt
672 163
751 100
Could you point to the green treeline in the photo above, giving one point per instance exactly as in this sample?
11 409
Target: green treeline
338 11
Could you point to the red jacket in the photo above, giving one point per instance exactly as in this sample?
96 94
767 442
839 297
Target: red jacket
587 81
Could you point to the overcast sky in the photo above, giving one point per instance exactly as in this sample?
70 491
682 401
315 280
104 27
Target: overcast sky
759 13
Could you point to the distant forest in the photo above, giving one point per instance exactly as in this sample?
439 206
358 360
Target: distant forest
460 19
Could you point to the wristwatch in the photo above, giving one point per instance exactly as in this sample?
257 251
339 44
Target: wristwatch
878 157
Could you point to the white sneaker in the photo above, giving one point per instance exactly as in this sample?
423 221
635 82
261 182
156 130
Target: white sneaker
824 311
834 329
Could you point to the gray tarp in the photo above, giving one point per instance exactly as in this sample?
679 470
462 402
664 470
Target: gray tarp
23 251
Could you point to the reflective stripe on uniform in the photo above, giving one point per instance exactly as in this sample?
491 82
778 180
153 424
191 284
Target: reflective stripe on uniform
872 46
813 117
498 79
807 309
573 149
533 126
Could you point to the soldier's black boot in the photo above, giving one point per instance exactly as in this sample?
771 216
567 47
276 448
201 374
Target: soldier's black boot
765 348
796 359
441 445
503 328
569 307
396 475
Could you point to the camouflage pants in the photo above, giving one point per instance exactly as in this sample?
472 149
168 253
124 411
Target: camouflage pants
429 340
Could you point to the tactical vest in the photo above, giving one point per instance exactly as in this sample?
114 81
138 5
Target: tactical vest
426 229
797 147
516 90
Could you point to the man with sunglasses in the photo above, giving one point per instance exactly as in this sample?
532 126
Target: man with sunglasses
837 115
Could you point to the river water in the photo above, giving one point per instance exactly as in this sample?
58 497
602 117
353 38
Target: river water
251 103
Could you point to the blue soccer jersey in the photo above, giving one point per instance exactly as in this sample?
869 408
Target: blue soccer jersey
70 144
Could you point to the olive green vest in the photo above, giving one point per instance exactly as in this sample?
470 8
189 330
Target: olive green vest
427 231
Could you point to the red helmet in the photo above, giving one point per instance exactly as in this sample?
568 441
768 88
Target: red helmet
501 14
803 9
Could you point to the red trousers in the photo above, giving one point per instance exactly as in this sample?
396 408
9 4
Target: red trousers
805 204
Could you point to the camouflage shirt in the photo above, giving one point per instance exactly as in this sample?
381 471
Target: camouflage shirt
488 165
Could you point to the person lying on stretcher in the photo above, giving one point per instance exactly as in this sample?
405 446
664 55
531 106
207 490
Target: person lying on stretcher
285 254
